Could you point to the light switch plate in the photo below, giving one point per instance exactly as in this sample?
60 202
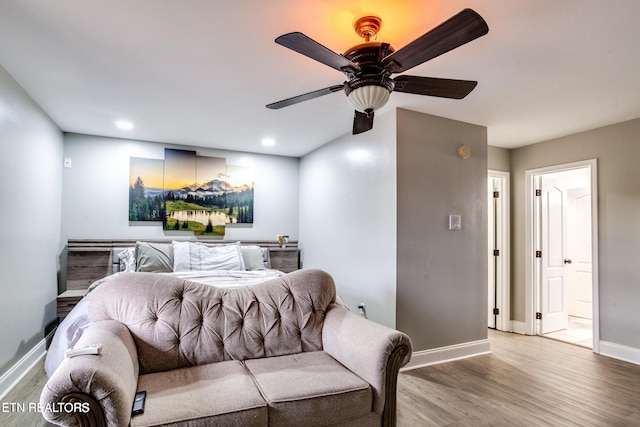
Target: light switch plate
67 162
455 222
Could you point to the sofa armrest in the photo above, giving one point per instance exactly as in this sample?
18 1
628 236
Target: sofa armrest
95 390
372 351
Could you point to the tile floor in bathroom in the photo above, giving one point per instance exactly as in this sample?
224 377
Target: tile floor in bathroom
579 332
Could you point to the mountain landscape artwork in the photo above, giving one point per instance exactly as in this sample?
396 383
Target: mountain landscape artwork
198 194
146 202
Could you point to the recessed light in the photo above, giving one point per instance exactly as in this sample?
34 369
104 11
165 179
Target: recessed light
268 142
124 124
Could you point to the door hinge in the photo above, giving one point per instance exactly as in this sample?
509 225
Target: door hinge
538 254
496 194
496 252
538 316
496 311
538 192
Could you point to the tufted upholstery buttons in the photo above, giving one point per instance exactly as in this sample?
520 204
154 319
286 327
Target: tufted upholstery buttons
267 319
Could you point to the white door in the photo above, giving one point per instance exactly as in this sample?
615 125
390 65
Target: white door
553 292
580 270
498 251
573 176
491 213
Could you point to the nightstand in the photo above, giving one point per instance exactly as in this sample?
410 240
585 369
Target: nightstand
67 300
285 259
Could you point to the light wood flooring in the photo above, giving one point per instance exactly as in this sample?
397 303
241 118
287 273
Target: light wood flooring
525 381
26 392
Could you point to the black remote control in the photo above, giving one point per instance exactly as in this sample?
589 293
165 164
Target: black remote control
138 403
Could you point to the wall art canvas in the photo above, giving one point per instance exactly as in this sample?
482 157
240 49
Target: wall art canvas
145 189
192 193
193 206
239 197
180 185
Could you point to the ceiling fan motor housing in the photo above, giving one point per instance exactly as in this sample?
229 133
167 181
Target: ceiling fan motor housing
362 88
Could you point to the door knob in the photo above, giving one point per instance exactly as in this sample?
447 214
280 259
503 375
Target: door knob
567 261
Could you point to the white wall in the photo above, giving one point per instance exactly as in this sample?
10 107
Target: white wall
30 189
95 193
348 216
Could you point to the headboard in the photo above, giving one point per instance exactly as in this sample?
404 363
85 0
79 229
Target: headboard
90 260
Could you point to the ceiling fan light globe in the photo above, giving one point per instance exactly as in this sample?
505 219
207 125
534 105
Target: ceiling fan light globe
370 98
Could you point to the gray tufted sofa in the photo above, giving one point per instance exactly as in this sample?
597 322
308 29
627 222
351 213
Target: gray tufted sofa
280 353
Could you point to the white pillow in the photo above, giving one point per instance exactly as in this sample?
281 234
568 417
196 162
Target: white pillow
197 256
128 259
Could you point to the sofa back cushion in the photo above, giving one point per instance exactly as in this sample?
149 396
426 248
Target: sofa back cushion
177 323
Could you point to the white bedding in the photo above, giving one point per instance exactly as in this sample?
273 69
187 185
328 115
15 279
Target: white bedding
72 327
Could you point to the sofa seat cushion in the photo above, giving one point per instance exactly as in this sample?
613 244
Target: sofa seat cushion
310 388
221 394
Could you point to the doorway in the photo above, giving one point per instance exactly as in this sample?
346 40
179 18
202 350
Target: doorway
562 285
498 313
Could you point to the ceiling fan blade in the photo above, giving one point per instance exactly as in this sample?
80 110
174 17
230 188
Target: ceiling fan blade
362 122
452 33
431 86
304 97
314 50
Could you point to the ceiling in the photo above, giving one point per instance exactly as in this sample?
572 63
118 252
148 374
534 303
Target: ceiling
199 72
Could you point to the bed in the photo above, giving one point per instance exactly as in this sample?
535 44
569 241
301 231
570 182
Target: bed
220 264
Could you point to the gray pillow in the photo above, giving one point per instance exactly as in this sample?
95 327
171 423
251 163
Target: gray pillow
253 258
154 257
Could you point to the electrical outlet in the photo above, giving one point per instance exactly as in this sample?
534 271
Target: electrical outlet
363 309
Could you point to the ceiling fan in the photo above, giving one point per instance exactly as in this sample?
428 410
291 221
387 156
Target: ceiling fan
368 66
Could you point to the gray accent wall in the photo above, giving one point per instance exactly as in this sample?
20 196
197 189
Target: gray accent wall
95 193
499 159
30 188
442 274
617 150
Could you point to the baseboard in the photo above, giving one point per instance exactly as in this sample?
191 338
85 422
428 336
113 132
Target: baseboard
447 354
519 327
13 376
621 352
